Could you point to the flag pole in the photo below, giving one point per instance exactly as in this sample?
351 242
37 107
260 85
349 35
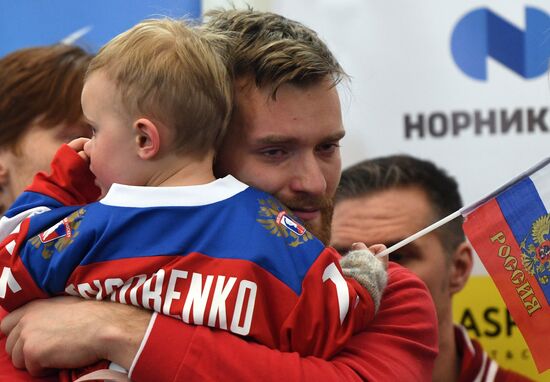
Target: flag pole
420 233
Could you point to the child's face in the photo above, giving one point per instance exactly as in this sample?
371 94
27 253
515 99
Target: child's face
111 148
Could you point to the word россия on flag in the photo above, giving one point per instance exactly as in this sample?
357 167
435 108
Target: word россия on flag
510 231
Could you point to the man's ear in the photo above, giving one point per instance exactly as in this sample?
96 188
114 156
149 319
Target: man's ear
461 267
147 138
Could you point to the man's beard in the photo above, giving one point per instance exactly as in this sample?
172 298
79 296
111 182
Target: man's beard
320 229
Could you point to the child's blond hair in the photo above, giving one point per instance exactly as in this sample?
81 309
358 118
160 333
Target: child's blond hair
174 74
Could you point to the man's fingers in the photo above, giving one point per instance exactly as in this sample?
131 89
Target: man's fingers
17 355
34 368
10 321
12 339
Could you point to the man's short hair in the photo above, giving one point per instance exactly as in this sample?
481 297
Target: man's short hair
274 50
401 171
40 85
173 73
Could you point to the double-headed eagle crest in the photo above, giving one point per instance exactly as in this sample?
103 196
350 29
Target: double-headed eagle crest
274 217
535 250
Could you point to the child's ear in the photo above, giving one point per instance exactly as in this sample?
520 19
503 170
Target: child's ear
147 138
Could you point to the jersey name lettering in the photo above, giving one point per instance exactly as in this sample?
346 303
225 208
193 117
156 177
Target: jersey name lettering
213 300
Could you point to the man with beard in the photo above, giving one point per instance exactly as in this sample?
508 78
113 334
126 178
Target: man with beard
284 139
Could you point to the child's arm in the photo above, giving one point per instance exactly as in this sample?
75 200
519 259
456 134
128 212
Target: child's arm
332 307
34 220
70 183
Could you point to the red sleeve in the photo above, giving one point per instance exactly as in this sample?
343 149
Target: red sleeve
400 344
329 311
17 286
71 182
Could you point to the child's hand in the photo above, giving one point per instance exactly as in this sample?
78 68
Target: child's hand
78 146
362 264
375 249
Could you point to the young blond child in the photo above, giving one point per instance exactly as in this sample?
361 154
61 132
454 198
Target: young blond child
166 235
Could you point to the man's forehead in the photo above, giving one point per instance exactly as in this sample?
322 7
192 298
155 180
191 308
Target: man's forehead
295 114
266 96
384 216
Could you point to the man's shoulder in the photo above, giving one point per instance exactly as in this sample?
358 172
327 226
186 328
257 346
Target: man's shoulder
477 364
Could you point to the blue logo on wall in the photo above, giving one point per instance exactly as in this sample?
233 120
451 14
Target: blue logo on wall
481 34
90 24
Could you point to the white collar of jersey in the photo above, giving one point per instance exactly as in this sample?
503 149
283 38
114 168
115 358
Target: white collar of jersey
137 196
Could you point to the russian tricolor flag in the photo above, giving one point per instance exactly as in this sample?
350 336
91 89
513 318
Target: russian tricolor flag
510 231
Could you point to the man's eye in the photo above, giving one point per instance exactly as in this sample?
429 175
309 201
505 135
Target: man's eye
397 257
328 148
273 153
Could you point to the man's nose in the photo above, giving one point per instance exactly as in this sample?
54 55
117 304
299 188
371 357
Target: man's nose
308 177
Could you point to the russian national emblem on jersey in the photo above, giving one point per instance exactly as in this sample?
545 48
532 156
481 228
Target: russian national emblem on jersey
274 218
60 235
535 250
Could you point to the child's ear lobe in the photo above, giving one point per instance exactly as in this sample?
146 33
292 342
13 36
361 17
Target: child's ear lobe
147 138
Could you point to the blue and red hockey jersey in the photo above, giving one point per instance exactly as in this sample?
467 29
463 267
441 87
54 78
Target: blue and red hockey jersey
221 254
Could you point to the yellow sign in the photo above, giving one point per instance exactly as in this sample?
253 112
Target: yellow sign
480 309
